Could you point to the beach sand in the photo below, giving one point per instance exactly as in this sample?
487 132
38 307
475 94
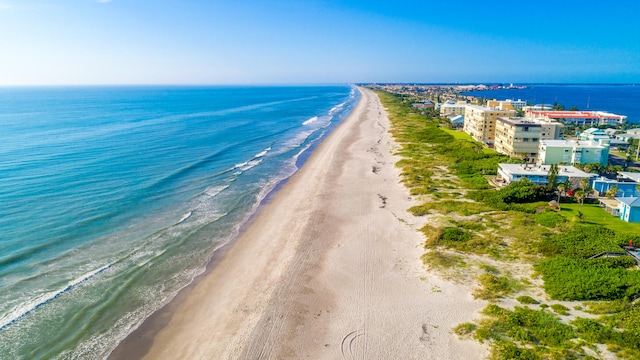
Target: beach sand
329 269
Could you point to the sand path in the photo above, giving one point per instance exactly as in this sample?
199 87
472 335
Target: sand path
330 269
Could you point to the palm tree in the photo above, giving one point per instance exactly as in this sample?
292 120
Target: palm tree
612 192
584 182
561 188
580 195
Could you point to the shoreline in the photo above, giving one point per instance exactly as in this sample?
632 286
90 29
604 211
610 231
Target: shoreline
332 259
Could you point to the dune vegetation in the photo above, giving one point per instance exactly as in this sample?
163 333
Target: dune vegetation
547 298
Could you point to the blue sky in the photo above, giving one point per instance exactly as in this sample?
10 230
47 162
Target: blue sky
317 41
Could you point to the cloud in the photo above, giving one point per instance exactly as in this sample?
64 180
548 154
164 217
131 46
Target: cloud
4 7
104 1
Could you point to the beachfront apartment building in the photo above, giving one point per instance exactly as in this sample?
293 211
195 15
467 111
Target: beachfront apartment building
520 137
578 117
572 152
506 104
451 107
480 122
538 174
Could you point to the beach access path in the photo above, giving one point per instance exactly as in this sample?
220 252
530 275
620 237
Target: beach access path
329 269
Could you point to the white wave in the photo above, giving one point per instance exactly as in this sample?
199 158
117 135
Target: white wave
262 153
185 217
250 164
215 190
238 166
42 299
295 141
336 108
313 119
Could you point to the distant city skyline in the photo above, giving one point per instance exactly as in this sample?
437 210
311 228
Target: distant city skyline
46 42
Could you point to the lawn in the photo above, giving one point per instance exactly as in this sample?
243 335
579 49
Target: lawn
461 135
594 214
457 134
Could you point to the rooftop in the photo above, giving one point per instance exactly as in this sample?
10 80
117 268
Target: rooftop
519 121
543 170
631 201
630 175
577 114
571 143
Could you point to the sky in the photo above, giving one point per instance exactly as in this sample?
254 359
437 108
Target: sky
213 42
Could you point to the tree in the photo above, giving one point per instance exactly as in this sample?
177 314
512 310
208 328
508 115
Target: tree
561 188
584 184
612 192
573 108
588 168
579 195
552 178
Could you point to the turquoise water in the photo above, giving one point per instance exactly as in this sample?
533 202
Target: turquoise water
114 198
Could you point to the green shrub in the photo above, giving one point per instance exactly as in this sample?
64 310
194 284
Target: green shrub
493 286
592 331
453 234
527 300
442 260
560 309
523 326
579 242
579 279
465 329
550 219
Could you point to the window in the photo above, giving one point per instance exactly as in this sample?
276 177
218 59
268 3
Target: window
566 150
534 139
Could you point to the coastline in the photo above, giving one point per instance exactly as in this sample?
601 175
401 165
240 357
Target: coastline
330 266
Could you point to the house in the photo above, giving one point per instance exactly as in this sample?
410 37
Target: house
572 152
508 173
633 176
424 105
626 187
451 107
629 135
457 121
506 104
538 107
594 134
629 208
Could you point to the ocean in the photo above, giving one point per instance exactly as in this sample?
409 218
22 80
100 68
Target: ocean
617 99
114 198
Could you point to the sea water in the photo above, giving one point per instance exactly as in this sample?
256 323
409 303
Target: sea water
114 198
618 99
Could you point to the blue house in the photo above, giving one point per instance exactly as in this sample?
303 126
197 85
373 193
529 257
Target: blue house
629 208
626 187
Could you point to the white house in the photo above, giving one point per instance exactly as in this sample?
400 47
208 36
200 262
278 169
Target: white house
508 173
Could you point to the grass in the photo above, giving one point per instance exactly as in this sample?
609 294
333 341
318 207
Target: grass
527 300
458 135
560 309
439 259
494 286
594 214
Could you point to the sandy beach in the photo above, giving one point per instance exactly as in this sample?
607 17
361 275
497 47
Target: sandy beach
330 269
